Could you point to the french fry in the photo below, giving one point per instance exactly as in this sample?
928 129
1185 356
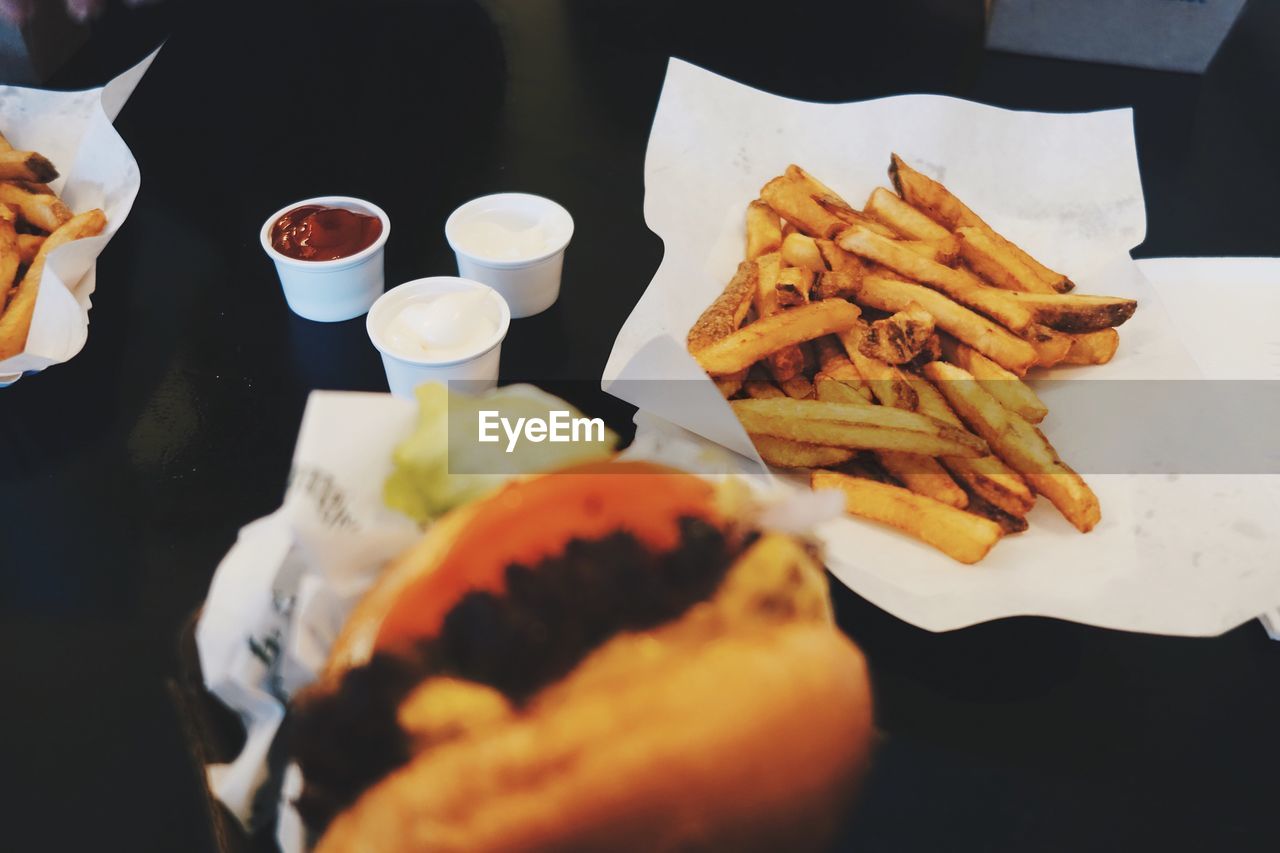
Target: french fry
994 261
900 337
10 259
801 251
924 475
788 361
28 246
723 316
731 384
907 222
764 231
1010 523
960 286
1072 312
781 453
1014 394
986 477
762 389
987 337
816 189
767 335
1018 443
828 389
958 534
856 426
937 202
887 383
791 200
835 285
798 387
794 284
15 322
1051 346
834 365
1092 347
838 260
26 166
45 212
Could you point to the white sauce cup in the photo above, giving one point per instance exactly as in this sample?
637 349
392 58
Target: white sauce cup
528 277
331 291
404 373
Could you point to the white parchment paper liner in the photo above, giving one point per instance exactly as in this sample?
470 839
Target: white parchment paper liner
75 131
1172 555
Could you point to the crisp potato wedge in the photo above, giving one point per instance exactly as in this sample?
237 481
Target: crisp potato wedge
781 453
937 202
792 201
45 212
1092 347
764 230
723 316
26 166
1014 394
1073 312
857 426
987 337
994 261
15 322
767 335
986 477
801 251
1018 443
960 535
788 361
959 285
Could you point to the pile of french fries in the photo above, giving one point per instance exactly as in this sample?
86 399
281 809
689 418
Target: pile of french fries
885 349
33 222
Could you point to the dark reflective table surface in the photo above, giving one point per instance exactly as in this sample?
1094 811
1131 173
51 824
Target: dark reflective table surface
125 473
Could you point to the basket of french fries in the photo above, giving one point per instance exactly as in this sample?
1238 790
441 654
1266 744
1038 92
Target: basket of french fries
67 181
885 300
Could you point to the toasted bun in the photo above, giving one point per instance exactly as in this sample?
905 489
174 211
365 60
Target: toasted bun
750 741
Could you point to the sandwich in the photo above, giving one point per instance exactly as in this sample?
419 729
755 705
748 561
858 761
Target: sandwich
608 657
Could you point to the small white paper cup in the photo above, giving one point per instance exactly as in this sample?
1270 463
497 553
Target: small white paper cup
530 283
405 374
331 291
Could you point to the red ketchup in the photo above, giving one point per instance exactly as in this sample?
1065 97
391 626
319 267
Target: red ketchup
315 233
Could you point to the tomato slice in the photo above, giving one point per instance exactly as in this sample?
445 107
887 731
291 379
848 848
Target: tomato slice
533 519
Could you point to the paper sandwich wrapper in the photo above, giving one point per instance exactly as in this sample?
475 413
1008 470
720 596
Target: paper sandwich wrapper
74 130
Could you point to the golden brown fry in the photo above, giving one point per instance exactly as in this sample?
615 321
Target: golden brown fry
762 389
986 477
1010 523
791 200
899 338
801 251
45 212
26 166
987 337
816 189
1051 346
937 202
839 260
764 231
794 284
924 475
781 453
835 285
994 261
767 335
29 245
958 534
798 387
1071 312
1018 443
1092 347
15 322
886 382
959 285
10 258
788 361
857 425
1014 394
828 389
834 365
731 384
723 316
906 221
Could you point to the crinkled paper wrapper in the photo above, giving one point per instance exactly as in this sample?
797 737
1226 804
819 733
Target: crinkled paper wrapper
75 131
1174 554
